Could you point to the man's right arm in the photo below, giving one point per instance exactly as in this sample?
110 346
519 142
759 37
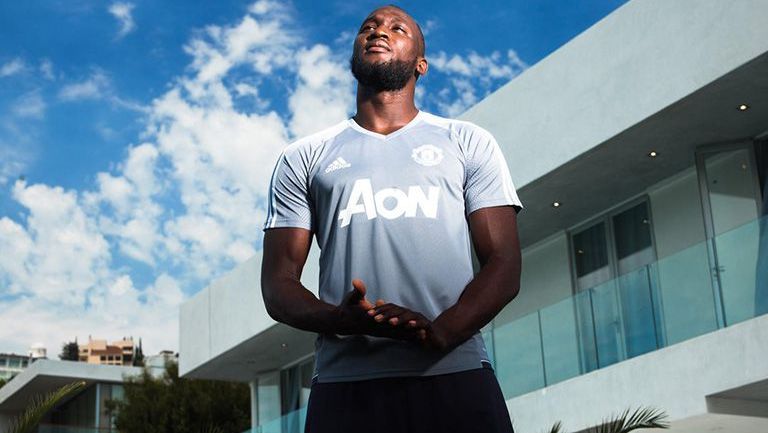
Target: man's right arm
286 299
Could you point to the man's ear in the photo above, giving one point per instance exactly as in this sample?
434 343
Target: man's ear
422 66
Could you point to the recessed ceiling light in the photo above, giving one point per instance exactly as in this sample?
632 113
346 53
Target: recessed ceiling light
283 345
743 107
556 204
652 154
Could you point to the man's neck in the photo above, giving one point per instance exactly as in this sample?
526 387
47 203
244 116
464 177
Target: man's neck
385 112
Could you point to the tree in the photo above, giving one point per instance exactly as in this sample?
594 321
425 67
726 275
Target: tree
70 351
640 418
170 404
3 382
138 356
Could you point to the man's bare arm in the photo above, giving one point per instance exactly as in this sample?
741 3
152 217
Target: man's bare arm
286 299
494 234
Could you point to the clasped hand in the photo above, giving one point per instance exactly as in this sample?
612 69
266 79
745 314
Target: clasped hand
357 315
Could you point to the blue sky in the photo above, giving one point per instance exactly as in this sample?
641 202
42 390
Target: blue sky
136 137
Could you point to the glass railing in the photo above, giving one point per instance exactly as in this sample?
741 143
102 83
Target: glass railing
716 283
698 290
292 422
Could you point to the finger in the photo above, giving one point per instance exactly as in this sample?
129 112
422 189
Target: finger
371 310
383 309
389 311
366 304
413 320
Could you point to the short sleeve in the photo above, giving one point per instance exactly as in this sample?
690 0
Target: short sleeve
487 179
288 203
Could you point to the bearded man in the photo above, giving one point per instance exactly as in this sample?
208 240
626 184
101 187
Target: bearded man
396 199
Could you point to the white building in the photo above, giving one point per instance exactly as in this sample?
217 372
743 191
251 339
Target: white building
82 412
12 364
640 149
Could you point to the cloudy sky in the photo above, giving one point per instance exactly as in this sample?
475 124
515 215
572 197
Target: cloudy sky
137 137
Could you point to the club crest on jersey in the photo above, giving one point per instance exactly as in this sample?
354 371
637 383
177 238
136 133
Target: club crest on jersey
389 203
427 155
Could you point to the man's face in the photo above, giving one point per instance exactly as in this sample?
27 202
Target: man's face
387 52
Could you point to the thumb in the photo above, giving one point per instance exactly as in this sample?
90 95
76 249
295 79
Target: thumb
358 292
358 295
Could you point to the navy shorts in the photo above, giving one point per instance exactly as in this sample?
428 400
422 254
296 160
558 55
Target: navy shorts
464 402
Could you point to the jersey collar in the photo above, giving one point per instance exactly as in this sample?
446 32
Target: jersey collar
393 134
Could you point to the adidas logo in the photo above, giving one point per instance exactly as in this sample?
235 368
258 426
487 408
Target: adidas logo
337 164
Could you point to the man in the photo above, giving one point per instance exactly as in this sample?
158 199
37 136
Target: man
392 196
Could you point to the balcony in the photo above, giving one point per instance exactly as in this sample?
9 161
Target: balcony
700 289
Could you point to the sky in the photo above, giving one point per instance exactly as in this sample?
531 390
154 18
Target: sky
137 137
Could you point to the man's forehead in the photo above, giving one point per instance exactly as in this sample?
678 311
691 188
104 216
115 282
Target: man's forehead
389 10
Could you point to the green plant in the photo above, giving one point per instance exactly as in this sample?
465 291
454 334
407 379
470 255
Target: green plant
627 421
27 421
170 404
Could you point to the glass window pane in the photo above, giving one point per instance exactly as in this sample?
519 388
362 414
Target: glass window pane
269 397
589 249
307 372
559 336
731 184
519 365
631 230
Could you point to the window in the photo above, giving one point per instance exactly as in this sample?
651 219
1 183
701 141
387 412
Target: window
618 309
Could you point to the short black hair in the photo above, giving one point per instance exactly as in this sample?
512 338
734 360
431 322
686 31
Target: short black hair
422 42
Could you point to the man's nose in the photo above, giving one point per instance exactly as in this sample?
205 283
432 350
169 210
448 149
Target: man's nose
379 32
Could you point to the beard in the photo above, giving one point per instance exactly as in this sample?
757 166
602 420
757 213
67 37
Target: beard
384 76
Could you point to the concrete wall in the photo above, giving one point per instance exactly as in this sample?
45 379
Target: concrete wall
676 379
230 311
598 84
546 279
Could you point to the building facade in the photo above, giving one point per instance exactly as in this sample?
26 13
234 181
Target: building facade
84 412
640 149
120 352
12 364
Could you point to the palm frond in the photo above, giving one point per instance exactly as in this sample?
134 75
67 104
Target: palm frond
40 405
556 428
644 417
212 429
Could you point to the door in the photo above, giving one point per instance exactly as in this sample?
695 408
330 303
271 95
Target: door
730 194
615 305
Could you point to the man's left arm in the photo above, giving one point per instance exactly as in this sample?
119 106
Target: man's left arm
494 234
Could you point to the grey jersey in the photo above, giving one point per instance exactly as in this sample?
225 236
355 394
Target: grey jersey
391 210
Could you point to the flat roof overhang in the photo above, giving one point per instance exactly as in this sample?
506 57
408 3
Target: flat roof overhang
45 375
620 167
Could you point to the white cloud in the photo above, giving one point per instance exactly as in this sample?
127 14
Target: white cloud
30 105
12 67
94 87
122 12
324 94
429 27
471 77
46 69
